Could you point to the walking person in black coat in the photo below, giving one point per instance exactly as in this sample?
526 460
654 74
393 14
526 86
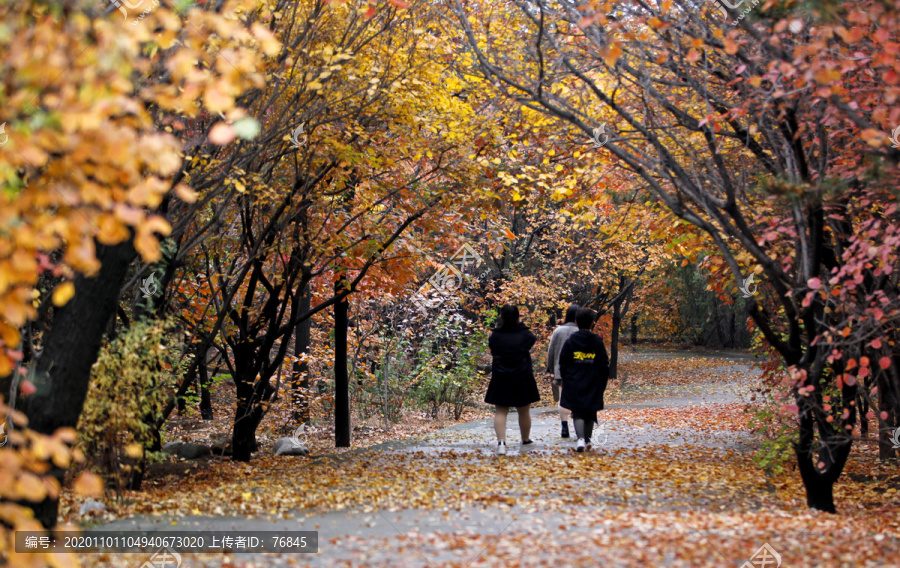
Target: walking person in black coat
584 366
512 378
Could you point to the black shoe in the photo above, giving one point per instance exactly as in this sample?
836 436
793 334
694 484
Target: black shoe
565 429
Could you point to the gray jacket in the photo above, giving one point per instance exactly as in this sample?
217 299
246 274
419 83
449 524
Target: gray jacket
557 340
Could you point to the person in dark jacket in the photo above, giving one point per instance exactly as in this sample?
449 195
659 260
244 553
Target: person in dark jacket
512 377
584 366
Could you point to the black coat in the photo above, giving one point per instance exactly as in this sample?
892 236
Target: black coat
512 377
584 366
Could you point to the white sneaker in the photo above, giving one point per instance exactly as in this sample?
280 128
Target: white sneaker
501 448
588 445
579 445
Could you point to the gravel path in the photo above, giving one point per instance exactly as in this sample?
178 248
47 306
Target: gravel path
345 537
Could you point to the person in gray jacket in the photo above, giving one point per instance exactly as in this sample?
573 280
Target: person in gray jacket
557 340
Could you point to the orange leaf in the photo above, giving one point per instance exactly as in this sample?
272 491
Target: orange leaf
88 484
612 55
185 193
730 46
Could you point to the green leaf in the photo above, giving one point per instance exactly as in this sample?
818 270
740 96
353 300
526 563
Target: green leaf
182 6
246 128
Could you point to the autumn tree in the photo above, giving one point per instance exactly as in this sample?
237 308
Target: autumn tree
349 148
769 135
85 168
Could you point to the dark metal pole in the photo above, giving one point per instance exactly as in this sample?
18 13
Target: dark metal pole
341 378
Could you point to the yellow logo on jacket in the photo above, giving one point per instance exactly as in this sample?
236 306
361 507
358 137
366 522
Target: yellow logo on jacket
581 356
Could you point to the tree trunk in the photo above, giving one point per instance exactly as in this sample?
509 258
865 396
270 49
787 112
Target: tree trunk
206 411
385 378
819 491
63 372
300 371
614 341
732 329
190 381
886 404
182 405
863 405
819 484
634 329
244 431
341 379
248 413
620 308
137 475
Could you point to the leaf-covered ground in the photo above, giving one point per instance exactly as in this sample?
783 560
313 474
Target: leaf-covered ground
671 483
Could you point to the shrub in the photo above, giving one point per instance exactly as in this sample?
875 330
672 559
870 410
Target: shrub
129 385
449 374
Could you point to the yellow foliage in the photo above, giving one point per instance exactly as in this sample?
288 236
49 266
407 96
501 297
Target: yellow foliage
63 293
88 484
129 386
81 157
24 462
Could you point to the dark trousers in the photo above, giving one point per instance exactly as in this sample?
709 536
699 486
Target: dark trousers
584 423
